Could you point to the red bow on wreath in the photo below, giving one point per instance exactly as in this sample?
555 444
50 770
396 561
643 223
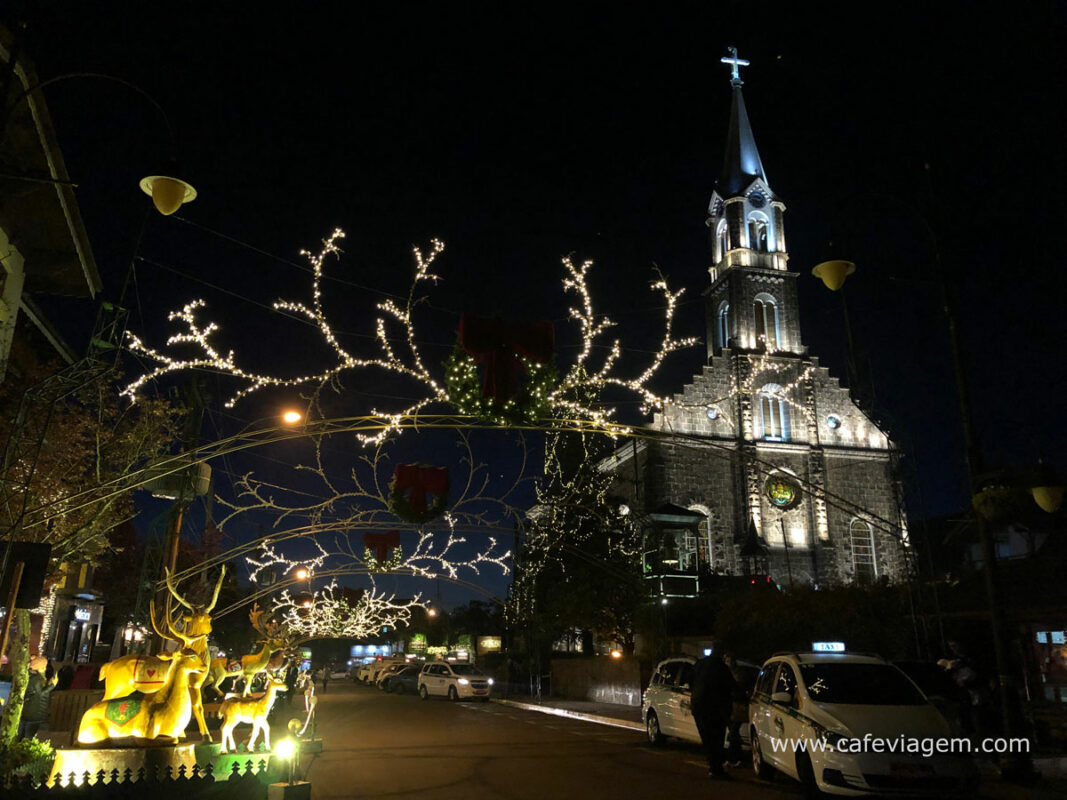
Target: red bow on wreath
418 481
500 345
381 543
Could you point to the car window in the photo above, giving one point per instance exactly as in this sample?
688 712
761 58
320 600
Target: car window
787 680
685 675
669 672
465 669
860 684
765 683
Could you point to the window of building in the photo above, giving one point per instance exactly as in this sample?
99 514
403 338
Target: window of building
724 239
774 413
723 324
757 232
863 551
766 312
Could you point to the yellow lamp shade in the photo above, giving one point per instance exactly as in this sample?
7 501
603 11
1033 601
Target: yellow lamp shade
1049 498
167 194
833 273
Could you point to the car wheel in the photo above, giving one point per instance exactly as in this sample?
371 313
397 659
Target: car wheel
423 693
759 766
452 693
806 774
655 735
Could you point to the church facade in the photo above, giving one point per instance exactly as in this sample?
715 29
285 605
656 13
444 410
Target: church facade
763 465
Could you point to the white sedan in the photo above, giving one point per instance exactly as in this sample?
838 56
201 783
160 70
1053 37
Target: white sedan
454 681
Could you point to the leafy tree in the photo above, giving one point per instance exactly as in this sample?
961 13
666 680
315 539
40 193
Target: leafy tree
92 438
578 567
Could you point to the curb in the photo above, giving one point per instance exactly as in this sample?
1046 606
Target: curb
563 712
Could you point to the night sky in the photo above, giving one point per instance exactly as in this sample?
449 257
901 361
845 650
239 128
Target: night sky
518 136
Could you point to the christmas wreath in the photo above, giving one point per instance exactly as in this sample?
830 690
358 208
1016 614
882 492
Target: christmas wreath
507 351
409 489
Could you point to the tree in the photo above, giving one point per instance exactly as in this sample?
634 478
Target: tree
578 567
91 439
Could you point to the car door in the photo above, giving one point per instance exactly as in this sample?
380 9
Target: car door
685 724
787 724
671 701
761 712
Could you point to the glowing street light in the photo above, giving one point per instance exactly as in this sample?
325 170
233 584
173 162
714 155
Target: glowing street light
292 417
301 574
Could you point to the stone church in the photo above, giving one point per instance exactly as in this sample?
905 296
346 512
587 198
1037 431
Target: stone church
763 466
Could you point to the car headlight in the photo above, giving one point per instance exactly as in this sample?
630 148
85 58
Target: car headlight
832 739
490 681
463 681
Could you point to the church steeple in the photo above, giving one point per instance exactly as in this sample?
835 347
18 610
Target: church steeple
744 215
752 298
741 164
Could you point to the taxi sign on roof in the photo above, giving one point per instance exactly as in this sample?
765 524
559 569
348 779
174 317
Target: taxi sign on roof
828 647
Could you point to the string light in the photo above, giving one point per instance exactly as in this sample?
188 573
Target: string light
329 615
558 399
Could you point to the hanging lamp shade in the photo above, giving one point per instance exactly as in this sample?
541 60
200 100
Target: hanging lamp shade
833 273
1049 498
168 194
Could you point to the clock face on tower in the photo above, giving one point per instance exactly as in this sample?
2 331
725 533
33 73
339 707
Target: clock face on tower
757 200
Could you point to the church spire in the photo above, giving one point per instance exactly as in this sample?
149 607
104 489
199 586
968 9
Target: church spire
741 164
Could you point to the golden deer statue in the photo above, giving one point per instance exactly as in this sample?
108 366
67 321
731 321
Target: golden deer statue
147 674
255 663
238 709
163 714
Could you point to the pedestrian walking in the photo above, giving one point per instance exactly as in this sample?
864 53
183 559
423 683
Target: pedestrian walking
738 714
713 692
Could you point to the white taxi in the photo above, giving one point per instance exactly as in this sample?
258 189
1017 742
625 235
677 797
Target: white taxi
454 681
665 706
851 724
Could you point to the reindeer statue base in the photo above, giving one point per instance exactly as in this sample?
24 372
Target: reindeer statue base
150 757
72 764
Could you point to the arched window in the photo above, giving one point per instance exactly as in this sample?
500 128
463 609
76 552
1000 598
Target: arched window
722 325
773 413
863 551
766 313
724 239
758 232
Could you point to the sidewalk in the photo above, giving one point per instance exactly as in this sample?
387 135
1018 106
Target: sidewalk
600 713
1053 770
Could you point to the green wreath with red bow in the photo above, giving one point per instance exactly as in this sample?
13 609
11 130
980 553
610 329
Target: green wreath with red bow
411 488
505 351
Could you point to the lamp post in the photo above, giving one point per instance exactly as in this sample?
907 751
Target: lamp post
1017 766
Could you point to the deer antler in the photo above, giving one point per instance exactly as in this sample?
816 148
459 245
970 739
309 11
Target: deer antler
172 632
215 596
174 592
255 616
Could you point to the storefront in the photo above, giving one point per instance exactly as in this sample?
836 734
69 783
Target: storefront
76 629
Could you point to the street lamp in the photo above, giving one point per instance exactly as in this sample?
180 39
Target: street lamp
168 193
291 417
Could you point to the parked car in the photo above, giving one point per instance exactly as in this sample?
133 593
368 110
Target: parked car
368 673
454 681
835 699
403 681
388 670
665 707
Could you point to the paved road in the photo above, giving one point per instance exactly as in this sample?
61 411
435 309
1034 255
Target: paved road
378 745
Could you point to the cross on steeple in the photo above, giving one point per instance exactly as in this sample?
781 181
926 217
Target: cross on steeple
734 62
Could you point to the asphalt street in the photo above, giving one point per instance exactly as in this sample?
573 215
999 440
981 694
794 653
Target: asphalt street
378 745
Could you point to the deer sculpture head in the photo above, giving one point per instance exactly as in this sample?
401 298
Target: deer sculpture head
197 619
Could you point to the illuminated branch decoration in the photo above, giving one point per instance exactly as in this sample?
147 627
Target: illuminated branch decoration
328 614
400 353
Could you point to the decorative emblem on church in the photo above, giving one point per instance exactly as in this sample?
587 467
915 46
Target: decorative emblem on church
782 491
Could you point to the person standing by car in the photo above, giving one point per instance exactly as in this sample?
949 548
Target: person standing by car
714 689
738 713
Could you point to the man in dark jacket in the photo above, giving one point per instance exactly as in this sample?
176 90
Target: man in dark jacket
38 694
713 692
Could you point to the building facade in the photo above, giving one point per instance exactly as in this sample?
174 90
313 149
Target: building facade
781 473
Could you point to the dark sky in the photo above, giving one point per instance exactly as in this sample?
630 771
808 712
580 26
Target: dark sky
519 133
